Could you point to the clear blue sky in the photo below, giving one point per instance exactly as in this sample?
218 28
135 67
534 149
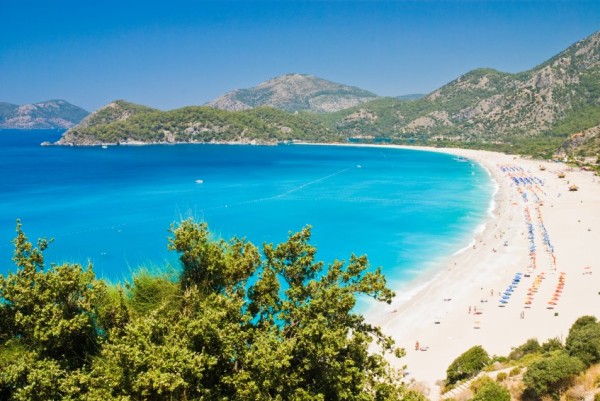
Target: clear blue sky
173 53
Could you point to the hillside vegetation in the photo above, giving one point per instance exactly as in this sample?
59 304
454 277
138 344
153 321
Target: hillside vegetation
532 371
124 122
531 112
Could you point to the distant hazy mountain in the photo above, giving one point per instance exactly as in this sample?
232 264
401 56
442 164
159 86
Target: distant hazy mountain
48 114
295 92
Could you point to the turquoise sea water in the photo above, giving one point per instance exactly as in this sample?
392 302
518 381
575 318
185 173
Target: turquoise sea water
114 206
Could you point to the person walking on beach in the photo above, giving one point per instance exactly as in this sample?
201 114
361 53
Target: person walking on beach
417 345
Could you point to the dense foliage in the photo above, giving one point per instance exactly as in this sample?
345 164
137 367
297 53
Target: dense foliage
125 122
531 346
583 340
467 365
552 375
552 367
233 325
491 391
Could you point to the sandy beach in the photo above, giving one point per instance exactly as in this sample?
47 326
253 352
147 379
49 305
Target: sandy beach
557 266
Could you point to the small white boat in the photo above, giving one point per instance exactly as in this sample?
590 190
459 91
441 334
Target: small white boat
104 147
199 181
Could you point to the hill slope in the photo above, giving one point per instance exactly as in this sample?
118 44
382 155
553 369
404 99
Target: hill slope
42 115
294 92
123 122
558 97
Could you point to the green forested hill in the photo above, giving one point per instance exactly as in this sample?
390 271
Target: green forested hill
123 122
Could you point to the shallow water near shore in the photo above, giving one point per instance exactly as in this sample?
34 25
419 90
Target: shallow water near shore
114 206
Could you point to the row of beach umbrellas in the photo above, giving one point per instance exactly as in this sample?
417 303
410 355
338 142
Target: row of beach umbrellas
531 291
510 168
505 296
557 291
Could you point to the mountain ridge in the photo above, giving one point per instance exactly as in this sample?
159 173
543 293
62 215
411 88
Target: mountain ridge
531 112
49 114
294 92
558 97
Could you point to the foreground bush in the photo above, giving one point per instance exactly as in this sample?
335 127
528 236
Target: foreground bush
467 365
583 340
530 346
552 375
492 392
287 334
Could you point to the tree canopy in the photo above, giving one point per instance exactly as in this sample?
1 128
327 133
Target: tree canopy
233 325
467 365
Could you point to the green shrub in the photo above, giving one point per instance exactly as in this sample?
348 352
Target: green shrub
149 291
583 340
501 359
480 383
551 375
492 392
552 344
501 377
597 397
530 346
467 365
515 371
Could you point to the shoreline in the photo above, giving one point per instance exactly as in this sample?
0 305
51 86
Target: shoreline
455 304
